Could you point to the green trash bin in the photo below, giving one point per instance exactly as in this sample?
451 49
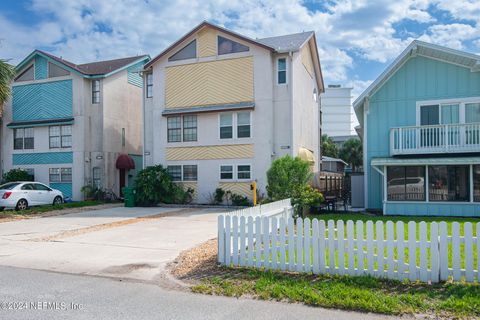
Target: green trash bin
129 196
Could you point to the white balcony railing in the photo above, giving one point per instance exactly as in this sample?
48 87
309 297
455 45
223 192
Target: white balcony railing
448 138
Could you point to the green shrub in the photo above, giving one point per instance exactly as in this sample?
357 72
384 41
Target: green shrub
154 185
306 197
239 200
285 176
16 175
219 194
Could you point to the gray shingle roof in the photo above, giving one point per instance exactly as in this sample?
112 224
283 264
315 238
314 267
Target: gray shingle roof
96 68
289 42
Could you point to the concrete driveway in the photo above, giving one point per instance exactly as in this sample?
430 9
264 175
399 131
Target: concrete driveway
135 243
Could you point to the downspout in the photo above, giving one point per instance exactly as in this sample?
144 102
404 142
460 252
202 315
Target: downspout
143 118
290 84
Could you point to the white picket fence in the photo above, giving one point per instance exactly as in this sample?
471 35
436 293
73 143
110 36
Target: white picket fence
273 209
354 248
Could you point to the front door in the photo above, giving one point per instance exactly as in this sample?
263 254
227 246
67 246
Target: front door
122 181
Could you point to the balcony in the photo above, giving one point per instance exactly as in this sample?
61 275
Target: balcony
435 139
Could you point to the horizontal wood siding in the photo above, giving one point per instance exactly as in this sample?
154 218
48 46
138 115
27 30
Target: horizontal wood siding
207 83
237 151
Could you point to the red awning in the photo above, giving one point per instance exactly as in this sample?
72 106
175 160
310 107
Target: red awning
124 161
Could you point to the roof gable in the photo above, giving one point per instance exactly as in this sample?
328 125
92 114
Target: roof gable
87 70
420 48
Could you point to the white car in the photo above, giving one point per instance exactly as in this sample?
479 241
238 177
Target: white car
21 195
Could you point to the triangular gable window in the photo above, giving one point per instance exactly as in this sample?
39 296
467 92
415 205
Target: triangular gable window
56 71
187 52
226 46
27 75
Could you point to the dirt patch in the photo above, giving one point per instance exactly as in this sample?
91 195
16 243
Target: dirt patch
105 226
8 216
195 264
127 268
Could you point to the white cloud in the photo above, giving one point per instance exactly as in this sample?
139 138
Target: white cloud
451 35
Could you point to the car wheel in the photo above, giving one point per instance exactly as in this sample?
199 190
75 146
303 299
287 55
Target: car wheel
57 200
22 204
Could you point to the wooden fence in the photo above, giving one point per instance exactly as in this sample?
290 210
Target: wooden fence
400 251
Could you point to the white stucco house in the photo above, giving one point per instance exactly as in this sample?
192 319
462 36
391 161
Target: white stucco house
219 107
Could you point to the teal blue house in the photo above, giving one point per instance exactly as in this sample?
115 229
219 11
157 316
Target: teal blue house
420 123
71 125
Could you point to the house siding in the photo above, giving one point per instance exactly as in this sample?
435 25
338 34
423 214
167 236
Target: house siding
42 158
41 68
394 105
41 101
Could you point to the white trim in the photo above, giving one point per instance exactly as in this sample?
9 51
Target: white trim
236 172
433 202
366 165
234 125
220 172
471 184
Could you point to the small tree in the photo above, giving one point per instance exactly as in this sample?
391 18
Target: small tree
329 148
7 72
16 175
352 153
286 175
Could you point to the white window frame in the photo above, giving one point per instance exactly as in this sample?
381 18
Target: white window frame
181 171
99 90
23 138
286 71
235 125
61 135
460 101
236 171
147 85
60 175
220 172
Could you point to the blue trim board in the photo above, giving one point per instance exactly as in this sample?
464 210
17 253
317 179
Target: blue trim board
65 188
42 158
456 209
42 101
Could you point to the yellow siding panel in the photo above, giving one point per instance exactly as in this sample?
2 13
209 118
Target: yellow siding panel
307 59
238 151
191 185
207 43
207 83
241 188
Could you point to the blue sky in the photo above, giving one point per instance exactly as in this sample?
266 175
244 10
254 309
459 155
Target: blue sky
357 39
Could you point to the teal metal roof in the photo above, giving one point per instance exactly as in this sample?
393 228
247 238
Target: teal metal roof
209 108
424 161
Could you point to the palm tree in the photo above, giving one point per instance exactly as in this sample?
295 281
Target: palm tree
329 149
352 153
7 72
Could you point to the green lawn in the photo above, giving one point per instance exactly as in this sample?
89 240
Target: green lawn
47 208
351 293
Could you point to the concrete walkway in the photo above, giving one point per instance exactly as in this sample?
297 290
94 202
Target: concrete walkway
117 242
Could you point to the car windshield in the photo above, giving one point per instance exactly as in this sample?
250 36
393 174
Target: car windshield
9 186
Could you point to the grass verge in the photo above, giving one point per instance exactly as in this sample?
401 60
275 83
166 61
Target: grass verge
47 208
365 294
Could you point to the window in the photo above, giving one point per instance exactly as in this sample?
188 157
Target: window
149 91
97 177
23 138
174 129
60 136
123 137
243 125
60 174
282 71
406 183
226 46
187 52
243 172
28 186
226 172
189 173
175 172
27 75
96 91
41 187
226 126
66 174
56 71
315 96
190 128
476 183
472 112
54 174
448 183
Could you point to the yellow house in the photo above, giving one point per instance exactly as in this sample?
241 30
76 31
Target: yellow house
219 107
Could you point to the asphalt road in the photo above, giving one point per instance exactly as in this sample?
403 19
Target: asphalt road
87 297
